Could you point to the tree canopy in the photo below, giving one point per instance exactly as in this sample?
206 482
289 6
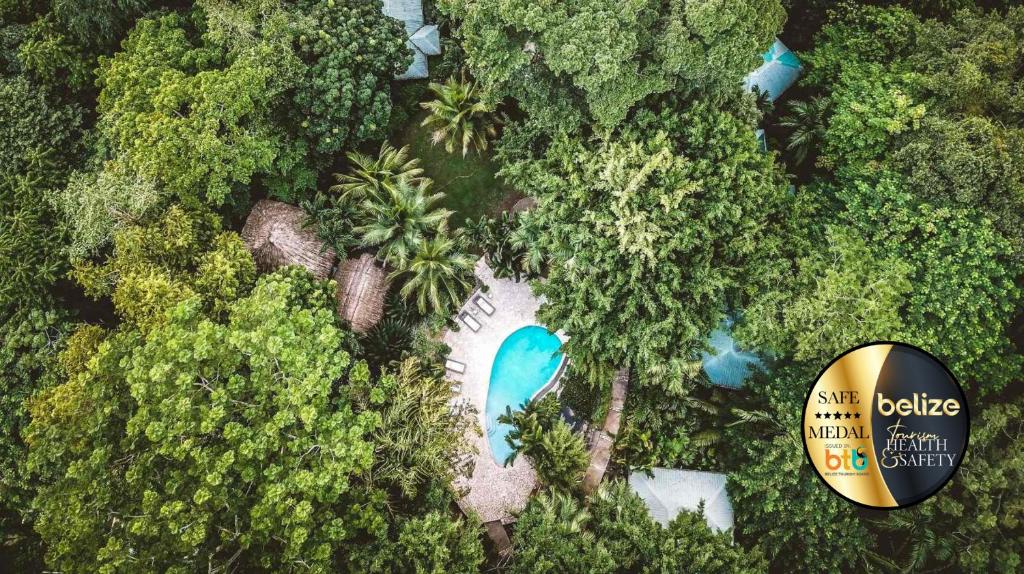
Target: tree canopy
648 234
575 55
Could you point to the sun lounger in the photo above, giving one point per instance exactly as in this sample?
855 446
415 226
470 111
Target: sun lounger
484 304
470 321
455 366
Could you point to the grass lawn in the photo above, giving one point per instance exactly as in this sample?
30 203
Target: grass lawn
469 184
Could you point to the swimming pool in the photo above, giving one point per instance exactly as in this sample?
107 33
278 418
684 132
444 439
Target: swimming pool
525 363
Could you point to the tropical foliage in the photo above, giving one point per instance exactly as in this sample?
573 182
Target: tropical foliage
458 117
165 408
558 455
564 63
644 257
616 534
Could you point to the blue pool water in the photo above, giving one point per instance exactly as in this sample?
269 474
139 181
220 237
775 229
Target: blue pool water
525 362
728 366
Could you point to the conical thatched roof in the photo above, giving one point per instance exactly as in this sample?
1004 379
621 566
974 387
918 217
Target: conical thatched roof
525 204
276 237
362 287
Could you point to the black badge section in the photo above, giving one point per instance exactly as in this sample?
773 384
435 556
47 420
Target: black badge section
919 445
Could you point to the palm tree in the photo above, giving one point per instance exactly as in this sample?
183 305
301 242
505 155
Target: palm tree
438 274
808 122
458 116
399 220
368 176
558 454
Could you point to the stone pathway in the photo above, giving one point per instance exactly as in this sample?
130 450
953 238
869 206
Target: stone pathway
604 440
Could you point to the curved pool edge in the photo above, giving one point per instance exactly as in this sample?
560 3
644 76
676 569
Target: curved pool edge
551 384
553 381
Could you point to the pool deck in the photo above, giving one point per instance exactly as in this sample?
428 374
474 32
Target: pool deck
492 492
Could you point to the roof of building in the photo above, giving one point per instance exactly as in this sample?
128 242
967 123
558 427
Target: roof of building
276 235
423 40
428 40
729 366
362 289
780 70
670 491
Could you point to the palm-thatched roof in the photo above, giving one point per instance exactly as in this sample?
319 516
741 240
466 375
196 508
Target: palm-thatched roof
275 234
362 288
525 204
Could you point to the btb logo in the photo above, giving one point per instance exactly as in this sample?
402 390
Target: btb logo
846 458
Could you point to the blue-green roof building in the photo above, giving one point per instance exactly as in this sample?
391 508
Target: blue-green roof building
780 70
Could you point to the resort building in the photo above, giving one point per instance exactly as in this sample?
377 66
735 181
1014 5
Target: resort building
780 70
276 235
727 365
424 40
362 290
670 491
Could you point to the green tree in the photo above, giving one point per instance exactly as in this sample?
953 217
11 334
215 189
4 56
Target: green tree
871 108
807 124
177 257
398 223
95 205
31 339
557 453
41 141
352 51
509 244
552 536
206 444
780 504
457 117
968 63
367 177
438 544
965 292
972 162
555 533
648 234
438 276
564 63
190 118
836 298
417 437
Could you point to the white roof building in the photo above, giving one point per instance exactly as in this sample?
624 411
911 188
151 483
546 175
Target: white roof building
424 40
780 70
671 491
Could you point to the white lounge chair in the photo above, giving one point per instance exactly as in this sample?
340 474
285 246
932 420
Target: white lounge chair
484 304
470 321
455 366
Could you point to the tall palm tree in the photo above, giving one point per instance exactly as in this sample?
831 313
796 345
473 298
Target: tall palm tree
808 122
399 219
458 116
438 275
368 176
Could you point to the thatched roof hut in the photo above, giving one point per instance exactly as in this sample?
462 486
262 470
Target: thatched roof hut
525 204
275 234
362 288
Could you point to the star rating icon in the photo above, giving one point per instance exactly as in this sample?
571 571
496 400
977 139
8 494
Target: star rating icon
837 415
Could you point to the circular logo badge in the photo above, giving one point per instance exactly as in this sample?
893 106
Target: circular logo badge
886 425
